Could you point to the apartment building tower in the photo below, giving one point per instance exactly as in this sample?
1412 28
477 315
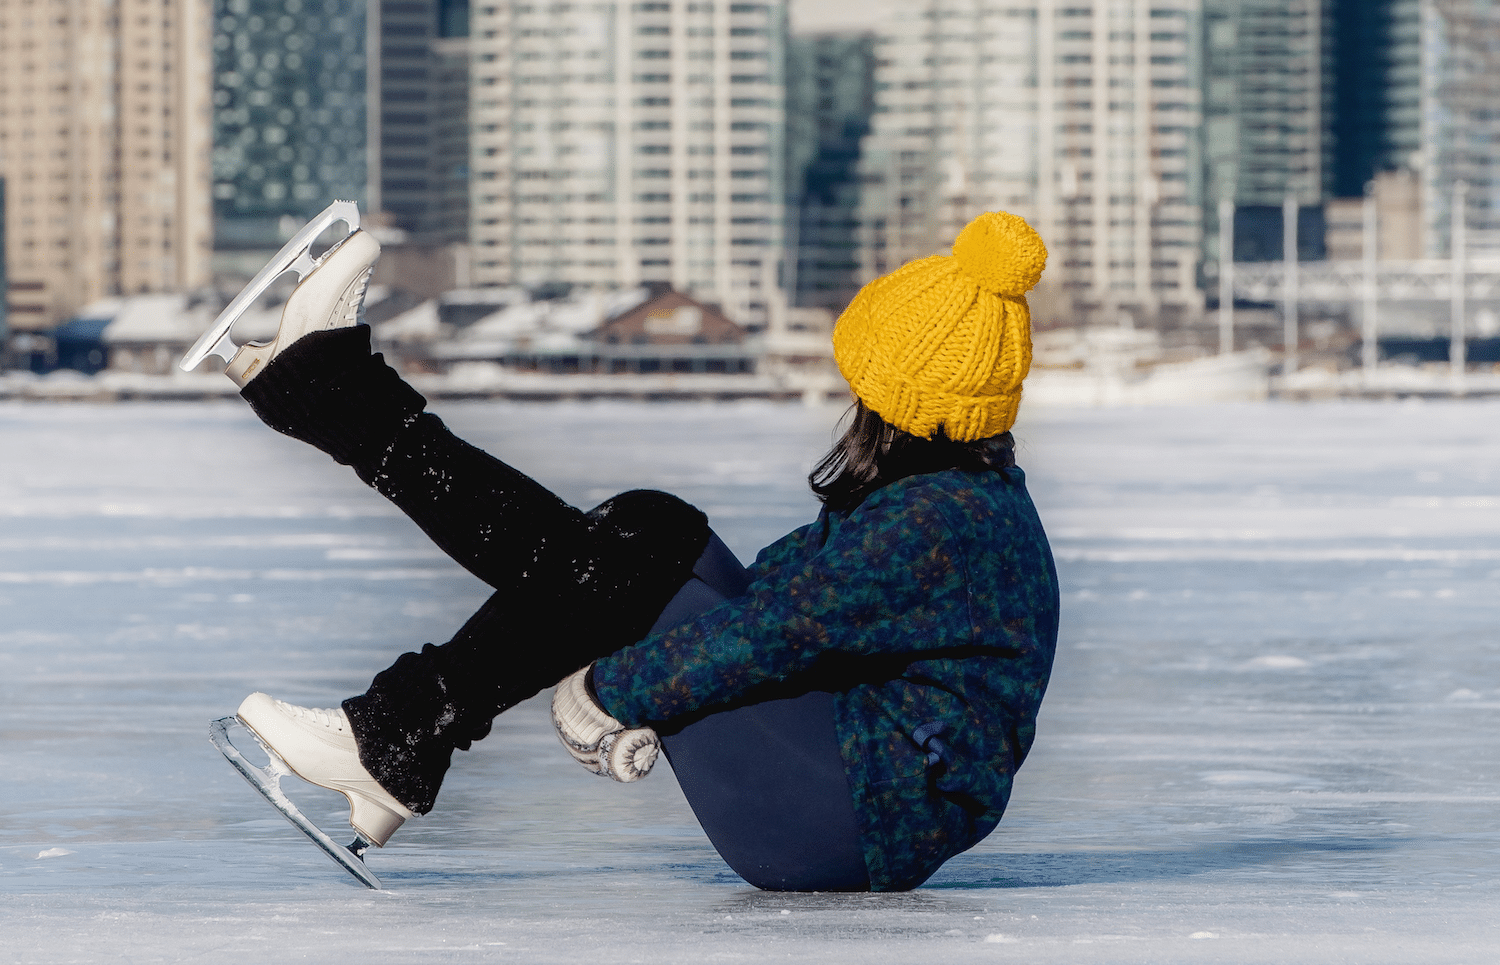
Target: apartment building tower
1416 83
1460 123
1268 104
830 93
1270 119
629 143
291 127
4 286
317 100
1376 118
1081 117
104 148
422 121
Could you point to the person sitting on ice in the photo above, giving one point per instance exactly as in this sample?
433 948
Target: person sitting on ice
845 715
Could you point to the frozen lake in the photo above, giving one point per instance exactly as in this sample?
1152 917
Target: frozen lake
1273 733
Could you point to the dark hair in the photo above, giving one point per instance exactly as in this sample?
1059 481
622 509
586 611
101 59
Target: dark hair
873 453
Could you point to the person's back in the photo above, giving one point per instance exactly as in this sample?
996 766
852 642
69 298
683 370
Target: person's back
944 738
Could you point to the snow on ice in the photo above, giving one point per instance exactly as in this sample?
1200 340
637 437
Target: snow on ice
1271 735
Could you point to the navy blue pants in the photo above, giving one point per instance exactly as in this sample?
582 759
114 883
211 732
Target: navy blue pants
766 781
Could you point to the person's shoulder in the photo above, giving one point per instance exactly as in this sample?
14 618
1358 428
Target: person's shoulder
947 498
968 502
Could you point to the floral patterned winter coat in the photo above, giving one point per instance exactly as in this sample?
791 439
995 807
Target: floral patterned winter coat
930 610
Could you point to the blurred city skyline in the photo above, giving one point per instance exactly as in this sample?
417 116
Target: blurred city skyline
759 156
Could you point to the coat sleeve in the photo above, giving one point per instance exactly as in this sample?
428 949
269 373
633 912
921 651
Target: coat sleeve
889 579
790 549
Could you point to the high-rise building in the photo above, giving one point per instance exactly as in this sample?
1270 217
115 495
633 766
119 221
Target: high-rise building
1267 83
1269 116
4 287
1460 121
104 146
830 91
628 143
1080 116
424 118
1411 88
290 130
1376 117
324 99
1321 99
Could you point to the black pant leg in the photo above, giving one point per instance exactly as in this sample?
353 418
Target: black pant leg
331 392
637 551
569 586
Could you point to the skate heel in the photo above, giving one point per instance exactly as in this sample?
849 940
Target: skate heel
318 746
373 821
295 256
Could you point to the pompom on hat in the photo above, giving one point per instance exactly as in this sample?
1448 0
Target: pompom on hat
943 342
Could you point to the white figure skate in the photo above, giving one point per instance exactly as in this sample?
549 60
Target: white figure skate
318 746
330 292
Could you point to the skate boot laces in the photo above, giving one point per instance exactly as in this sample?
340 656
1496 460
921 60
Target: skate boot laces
328 718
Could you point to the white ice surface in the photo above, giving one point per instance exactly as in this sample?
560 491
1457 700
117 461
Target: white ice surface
1273 733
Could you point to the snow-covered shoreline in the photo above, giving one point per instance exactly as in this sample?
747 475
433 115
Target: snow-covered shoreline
1241 377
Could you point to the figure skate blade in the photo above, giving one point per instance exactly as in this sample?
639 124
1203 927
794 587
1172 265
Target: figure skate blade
295 256
267 781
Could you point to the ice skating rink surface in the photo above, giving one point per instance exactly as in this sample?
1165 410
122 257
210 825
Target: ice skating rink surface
1273 733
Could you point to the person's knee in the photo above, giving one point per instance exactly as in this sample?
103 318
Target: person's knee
650 524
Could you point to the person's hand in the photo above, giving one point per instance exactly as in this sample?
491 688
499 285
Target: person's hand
596 740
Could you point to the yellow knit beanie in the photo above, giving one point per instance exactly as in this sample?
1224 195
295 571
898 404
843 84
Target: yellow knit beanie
944 342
